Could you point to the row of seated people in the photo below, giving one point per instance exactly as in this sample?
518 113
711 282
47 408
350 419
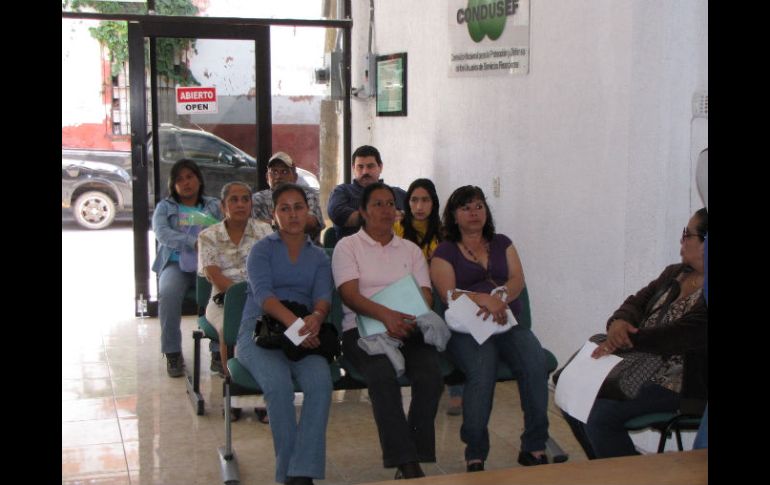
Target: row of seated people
285 266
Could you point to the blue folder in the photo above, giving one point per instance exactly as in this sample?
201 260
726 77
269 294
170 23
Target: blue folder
403 296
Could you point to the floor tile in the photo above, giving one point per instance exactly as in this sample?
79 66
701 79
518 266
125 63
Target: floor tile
93 460
85 370
85 388
88 409
99 479
92 432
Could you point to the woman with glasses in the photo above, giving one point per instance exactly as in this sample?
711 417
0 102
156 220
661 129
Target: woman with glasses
486 265
669 320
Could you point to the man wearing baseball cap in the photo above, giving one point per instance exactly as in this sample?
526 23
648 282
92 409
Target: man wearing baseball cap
281 169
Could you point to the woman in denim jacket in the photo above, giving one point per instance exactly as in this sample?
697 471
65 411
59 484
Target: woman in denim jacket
175 236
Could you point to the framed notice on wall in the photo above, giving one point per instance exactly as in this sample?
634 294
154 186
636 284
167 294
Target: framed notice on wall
391 85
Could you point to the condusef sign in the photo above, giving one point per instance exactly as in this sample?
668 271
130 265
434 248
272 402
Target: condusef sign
488 37
196 100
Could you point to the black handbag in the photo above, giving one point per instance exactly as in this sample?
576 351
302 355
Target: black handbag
269 334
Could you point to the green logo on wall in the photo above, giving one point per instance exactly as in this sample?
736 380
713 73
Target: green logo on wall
486 17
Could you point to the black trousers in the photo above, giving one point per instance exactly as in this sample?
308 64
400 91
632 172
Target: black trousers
403 438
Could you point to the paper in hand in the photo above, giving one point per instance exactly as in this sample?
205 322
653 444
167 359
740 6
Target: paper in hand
580 381
293 332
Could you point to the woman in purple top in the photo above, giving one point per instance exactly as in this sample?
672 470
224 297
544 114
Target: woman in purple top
474 258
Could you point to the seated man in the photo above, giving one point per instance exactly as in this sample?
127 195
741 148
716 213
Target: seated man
344 201
280 169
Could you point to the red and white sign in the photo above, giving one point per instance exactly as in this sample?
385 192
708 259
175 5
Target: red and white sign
196 100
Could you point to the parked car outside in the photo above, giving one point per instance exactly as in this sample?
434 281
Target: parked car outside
221 162
96 184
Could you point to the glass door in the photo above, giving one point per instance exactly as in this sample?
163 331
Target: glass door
206 97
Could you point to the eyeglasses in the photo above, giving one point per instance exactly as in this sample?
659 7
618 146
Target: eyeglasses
279 171
686 234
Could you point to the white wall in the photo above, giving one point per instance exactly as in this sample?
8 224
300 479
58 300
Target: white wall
592 146
81 73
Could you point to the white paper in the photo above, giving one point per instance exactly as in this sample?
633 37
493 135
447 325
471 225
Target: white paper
479 328
580 381
293 332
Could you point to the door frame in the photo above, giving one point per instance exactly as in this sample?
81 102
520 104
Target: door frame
141 27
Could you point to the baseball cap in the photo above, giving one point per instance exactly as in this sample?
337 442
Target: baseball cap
281 157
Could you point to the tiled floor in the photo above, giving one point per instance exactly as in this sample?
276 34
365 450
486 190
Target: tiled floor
124 421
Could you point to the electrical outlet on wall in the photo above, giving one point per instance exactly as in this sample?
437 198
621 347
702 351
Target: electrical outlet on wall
700 105
496 186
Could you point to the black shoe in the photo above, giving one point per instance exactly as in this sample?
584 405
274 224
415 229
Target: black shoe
527 459
235 414
475 467
298 481
409 470
175 364
216 364
262 415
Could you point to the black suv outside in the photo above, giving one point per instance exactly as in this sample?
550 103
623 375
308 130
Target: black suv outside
96 184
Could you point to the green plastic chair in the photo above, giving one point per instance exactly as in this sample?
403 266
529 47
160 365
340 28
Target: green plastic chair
329 239
665 424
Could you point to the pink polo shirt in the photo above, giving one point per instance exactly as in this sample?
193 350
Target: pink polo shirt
375 266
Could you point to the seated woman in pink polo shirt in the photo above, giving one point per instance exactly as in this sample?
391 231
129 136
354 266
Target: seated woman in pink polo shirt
363 264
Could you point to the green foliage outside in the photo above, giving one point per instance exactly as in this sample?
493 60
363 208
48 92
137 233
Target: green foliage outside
172 62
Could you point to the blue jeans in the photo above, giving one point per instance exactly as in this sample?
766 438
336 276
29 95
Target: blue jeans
702 437
300 449
172 287
521 350
605 435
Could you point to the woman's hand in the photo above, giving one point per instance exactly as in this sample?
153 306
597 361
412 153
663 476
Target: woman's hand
492 305
618 337
399 325
311 328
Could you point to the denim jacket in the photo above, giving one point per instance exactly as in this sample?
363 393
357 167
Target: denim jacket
165 223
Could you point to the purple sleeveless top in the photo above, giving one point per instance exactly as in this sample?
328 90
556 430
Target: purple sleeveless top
471 276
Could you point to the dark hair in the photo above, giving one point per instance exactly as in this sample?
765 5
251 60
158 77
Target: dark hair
285 187
434 222
703 223
367 194
176 169
460 197
366 151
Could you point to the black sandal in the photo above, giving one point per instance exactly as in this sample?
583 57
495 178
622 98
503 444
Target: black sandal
262 415
235 414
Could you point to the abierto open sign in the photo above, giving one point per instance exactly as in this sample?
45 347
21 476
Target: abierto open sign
196 100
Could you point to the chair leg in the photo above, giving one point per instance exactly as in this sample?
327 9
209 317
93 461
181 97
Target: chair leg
228 461
193 382
558 455
663 438
678 439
